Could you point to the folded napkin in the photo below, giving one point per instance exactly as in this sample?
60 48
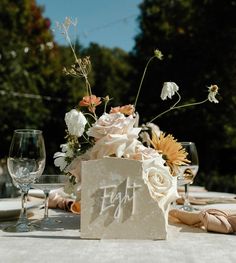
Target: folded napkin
67 204
213 220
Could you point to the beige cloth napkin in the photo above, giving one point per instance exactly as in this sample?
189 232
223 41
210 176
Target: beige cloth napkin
67 204
213 220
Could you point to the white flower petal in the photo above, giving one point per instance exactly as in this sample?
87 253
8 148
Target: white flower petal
213 91
58 154
75 122
168 90
60 162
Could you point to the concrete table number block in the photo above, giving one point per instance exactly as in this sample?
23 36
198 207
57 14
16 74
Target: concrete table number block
116 203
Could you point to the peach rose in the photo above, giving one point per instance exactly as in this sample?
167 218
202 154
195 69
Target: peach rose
127 109
113 123
119 145
143 153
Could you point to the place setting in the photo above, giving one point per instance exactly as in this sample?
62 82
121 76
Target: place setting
118 132
10 208
119 169
26 164
213 211
193 197
125 174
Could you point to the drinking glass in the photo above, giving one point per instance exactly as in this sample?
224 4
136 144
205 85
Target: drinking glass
47 183
26 162
188 172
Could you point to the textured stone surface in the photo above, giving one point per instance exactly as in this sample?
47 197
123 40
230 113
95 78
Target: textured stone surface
116 203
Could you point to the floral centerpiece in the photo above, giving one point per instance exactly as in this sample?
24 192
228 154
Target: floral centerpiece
117 133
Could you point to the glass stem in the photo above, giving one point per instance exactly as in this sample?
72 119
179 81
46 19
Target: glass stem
23 214
186 195
46 204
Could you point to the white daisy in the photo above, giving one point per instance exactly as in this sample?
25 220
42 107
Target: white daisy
213 91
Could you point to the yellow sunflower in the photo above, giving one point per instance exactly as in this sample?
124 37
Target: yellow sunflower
171 150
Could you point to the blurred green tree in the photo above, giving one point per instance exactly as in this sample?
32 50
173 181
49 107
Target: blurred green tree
29 71
199 44
34 93
110 70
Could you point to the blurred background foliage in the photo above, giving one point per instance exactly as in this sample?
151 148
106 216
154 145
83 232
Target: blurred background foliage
198 40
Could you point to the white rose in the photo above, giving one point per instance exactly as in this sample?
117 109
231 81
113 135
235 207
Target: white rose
161 184
113 123
75 122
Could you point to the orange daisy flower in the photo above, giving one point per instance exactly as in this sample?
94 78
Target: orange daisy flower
171 150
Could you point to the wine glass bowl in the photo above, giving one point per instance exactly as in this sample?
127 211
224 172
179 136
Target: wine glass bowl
186 175
26 162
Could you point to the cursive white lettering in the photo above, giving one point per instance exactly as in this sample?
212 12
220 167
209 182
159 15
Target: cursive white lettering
111 197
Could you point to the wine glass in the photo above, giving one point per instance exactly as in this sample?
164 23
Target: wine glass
26 162
47 183
188 172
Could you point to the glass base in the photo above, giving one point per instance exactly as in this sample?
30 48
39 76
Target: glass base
48 221
188 208
49 224
21 228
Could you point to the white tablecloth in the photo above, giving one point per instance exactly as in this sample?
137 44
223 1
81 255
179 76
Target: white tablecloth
184 244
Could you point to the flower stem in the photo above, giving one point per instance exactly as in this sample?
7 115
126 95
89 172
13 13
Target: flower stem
91 115
191 104
141 82
87 84
86 139
105 106
174 107
84 74
179 99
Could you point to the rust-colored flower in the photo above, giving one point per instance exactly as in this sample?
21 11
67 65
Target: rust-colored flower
91 102
126 109
171 150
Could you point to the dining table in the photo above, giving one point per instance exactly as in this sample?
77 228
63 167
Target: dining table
61 242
